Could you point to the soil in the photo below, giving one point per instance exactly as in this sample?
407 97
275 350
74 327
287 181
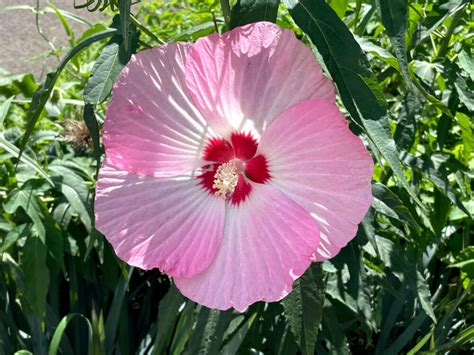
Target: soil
23 49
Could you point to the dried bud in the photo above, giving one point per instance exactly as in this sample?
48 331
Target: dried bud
77 134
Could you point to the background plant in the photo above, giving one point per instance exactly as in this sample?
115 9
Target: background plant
404 74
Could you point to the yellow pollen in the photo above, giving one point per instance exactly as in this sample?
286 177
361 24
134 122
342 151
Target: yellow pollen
225 180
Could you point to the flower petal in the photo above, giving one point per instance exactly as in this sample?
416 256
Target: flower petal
151 126
318 162
252 73
268 242
175 225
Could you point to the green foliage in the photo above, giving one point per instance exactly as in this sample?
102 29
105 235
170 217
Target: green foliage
404 75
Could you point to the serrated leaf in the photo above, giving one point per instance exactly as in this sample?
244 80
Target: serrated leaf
105 71
406 121
248 11
424 295
304 307
395 19
209 332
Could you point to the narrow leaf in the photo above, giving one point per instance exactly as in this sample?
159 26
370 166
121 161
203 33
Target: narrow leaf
36 274
61 328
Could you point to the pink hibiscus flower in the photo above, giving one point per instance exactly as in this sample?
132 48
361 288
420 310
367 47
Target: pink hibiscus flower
229 166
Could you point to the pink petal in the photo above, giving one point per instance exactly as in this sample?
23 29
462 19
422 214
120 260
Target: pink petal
175 225
315 159
252 72
268 242
151 126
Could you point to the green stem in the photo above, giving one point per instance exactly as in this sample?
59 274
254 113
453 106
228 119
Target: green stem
145 30
226 11
454 22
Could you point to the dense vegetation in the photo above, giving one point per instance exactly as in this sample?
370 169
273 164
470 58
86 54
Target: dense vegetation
405 77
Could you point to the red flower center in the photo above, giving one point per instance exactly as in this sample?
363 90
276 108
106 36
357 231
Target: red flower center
232 166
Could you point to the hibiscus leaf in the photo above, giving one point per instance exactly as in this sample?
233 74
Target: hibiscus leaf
76 193
111 61
388 203
209 332
105 71
42 94
36 274
248 11
351 72
441 182
304 307
168 313
395 19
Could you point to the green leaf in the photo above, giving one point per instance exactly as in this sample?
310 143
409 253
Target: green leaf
209 331
41 96
234 343
406 336
36 274
248 11
465 261
351 72
386 202
466 62
16 233
65 24
61 328
465 91
304 307
25 198
339 6
427 169
395 19
14 151
104 73
4 107
112 321
424 295
168 312
76 193
406 121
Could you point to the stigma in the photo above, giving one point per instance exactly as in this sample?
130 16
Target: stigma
225 180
